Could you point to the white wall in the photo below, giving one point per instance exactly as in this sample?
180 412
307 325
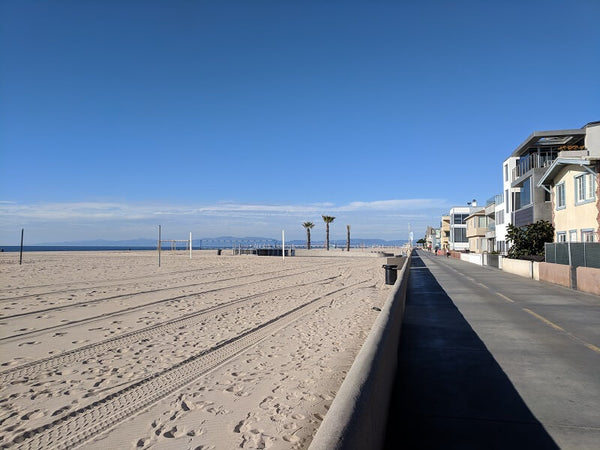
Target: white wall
511 163
592 140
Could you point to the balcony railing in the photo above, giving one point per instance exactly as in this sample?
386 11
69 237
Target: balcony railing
533 161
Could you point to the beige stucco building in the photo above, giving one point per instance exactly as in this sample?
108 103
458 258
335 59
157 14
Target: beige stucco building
479 224
574 184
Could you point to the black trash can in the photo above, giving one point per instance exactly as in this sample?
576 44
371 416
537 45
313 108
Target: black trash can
391 273
218 251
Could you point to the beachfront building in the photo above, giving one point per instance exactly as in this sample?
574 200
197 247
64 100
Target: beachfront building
481 230
458 226
490 219
445 233
476 229
529 202
499 224
505 206
432 238
573 182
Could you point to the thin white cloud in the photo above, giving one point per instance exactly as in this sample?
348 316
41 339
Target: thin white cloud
109 211
378 218
394 205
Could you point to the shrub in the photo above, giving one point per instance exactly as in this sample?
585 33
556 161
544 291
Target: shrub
529 240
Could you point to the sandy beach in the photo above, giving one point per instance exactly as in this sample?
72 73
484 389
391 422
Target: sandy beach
108 350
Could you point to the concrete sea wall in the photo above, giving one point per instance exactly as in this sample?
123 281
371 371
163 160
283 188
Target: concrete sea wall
358 415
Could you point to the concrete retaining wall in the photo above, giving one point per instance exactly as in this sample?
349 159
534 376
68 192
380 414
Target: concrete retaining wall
555 273
536 270
518 267
358 415
588 280
473 258
455 254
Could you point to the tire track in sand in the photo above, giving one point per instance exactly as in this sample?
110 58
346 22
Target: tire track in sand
91 350
84 424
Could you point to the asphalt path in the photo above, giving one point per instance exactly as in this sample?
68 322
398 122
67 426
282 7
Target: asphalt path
493 360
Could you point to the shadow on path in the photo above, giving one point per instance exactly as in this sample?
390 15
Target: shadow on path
450 392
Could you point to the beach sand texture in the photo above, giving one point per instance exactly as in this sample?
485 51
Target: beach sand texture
108 350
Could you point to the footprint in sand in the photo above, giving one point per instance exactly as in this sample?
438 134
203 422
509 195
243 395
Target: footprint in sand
35 414
29 343
218 410
142 442
252 437
265 403
292 438
60 410
187 405
172 433
9 363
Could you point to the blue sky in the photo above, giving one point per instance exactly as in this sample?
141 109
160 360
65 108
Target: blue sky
245 118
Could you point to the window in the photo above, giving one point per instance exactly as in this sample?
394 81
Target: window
506 199
500 217
516 201
546 196
561 236
459 219
572 235
580 188
526 193
587 235
506 172
500 246
560 196
585 188
460 235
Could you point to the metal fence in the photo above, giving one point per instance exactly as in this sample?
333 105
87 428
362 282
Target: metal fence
493 260
575 254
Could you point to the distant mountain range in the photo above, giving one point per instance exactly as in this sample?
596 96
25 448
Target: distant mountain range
224 241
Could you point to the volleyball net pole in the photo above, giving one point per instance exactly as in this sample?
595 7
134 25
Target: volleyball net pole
173 242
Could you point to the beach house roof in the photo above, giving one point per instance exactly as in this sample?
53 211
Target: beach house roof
541 139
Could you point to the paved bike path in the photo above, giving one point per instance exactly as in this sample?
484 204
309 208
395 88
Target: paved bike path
492 360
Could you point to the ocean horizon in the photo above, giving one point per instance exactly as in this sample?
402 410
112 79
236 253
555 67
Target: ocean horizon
71 248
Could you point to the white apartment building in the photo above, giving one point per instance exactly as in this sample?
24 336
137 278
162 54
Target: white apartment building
458 226
505 204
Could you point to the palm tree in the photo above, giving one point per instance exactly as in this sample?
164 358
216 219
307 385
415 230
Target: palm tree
308 226
348 238
328 220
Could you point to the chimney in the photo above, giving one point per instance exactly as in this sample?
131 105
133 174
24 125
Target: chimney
474 202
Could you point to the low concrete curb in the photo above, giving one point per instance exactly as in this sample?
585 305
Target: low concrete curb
358 415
